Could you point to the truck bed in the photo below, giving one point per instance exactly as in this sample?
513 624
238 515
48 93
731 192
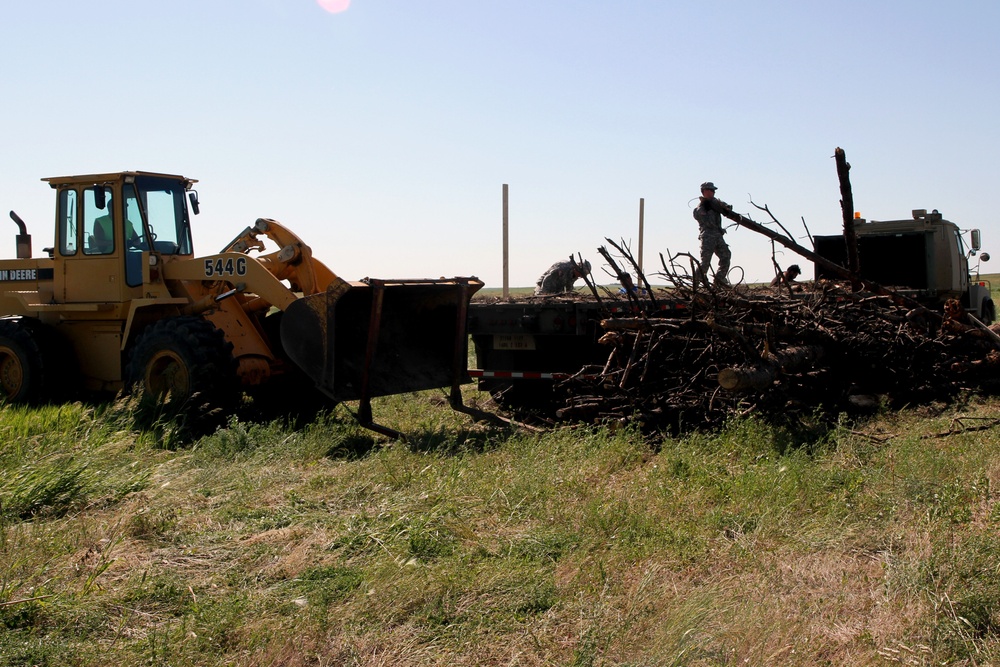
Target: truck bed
538 339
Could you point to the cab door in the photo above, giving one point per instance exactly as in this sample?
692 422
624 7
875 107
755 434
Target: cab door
89 248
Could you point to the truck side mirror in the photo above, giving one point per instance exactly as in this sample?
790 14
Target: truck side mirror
99 197
195 206
976 240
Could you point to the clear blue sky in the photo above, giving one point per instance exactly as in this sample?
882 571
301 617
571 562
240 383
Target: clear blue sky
383 134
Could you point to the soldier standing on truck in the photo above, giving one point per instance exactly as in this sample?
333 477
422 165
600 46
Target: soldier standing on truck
560 277
710 233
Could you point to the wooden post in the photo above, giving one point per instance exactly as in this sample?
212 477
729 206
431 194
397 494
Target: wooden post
506 255
642 207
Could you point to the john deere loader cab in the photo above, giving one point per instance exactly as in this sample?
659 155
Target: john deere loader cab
104 225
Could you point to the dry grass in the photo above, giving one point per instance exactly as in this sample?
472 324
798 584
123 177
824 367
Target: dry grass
261 545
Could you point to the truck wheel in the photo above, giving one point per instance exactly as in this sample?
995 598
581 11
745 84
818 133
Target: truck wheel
533 395
988 313
179 359
24 363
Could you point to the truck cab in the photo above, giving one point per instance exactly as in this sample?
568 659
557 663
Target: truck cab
924 257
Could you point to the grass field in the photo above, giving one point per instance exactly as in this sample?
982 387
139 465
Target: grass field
260 544
873 543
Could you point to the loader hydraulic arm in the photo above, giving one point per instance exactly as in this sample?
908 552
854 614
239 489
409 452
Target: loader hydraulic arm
262 276
293 261
214 273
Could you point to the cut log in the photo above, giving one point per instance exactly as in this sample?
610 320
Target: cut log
847 208
762 375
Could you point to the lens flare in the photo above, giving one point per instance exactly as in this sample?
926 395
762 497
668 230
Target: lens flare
334 6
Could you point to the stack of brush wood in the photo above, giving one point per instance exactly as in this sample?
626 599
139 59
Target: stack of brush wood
783 352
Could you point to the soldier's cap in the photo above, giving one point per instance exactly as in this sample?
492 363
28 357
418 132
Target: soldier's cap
709 185
795 268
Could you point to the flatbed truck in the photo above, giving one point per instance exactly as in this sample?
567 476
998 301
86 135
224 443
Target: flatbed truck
524 346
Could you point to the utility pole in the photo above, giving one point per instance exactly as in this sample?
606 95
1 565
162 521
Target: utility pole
642 208
506 254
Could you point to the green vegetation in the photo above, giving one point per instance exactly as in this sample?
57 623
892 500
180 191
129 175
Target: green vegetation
265 545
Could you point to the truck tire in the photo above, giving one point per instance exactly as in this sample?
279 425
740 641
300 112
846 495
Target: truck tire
183 362
27 366
530 395
988 312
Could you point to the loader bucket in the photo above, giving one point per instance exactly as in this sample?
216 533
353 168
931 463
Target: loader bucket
381 337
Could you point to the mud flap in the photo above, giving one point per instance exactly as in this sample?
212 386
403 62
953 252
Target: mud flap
381 337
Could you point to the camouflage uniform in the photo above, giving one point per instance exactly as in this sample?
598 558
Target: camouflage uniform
560 277
710 233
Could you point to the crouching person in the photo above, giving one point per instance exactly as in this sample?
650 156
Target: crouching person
559 277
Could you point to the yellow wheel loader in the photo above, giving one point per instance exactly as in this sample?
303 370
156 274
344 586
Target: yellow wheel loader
120 300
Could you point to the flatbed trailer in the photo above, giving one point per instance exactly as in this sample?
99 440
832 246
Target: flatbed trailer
523 346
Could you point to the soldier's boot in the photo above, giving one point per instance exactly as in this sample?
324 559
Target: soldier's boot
701 277
722 275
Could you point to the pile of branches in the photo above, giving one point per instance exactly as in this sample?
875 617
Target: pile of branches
782 354
825 348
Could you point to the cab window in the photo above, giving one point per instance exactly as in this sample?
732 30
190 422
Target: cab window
67 222
98 224
162 200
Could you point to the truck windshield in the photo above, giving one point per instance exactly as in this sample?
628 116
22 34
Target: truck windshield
962 250
162 201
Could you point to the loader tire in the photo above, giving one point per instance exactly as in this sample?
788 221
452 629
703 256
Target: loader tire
28 366
184 363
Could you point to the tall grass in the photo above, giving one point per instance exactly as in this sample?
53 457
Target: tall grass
265 544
